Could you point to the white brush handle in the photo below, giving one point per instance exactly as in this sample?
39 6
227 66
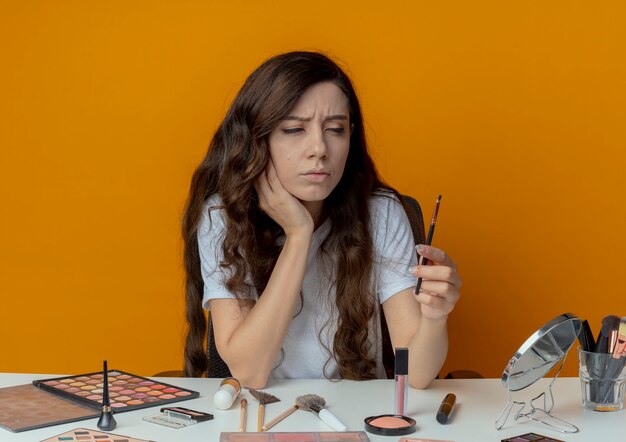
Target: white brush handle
331 420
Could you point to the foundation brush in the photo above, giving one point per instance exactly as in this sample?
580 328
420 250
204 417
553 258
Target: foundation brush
263 398
317 404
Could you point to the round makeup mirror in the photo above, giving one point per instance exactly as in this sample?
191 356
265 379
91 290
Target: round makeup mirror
541 352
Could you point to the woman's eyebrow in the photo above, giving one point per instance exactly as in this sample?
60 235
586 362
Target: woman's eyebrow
330 117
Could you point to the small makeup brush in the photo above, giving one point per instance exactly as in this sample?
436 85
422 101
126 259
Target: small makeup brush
609 323
244 415
280 417
429 240
585 337
263 398
619 347
106 421
317 404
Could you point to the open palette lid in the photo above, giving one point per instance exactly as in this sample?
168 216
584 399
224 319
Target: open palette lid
541 352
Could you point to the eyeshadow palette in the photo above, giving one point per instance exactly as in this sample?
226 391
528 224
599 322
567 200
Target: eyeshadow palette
26 407
126 391
86 435
325 436
528 437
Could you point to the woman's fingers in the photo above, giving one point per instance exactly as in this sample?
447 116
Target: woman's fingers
437 273
434 255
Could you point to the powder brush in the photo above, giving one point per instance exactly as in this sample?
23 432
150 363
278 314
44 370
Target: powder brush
263 398
317 404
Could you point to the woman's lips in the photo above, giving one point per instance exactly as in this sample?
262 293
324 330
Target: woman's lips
316 177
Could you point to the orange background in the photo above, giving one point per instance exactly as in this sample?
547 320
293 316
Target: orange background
514 111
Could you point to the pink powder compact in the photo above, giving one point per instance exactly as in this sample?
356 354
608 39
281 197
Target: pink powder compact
395 424
390 425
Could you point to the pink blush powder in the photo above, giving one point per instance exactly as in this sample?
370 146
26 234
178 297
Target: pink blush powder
389 422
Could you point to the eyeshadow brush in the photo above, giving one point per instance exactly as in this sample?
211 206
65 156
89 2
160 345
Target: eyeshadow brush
609 323
280 417
244 415
263 398
585 337
317 405
429 240
106 421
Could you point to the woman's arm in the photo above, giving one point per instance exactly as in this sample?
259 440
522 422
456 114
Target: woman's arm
419 322
249 339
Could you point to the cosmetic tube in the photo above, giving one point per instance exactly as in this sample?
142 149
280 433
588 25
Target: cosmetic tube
402 384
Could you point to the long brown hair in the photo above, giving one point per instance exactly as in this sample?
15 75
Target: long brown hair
237 154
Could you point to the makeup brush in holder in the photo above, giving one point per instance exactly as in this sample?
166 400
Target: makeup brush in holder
317 405
107 421
263 398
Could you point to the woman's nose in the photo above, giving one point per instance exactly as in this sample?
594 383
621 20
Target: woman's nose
317 145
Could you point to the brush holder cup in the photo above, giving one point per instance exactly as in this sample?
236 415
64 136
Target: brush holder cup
602 380
541 352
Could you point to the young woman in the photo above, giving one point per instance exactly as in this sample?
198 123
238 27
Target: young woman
292 241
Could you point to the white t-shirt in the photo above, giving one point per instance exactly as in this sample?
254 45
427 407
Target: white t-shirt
302 355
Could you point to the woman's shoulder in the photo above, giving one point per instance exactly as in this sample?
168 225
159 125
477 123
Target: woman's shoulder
384 201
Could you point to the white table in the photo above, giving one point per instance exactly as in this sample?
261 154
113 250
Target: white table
479 401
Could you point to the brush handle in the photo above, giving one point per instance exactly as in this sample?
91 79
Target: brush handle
244 415
280 417
260 417
331 420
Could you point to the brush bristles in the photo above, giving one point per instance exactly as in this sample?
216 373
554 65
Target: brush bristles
311 402
263 397
611 322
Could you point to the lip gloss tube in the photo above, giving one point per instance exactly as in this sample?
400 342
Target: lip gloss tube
402 384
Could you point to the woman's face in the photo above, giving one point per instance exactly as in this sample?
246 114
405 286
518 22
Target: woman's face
309 147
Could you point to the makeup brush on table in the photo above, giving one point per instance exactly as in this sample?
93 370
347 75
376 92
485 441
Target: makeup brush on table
317 404
280 417
243 415
263 398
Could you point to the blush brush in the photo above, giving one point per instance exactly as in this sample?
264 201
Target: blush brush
263 398
317 405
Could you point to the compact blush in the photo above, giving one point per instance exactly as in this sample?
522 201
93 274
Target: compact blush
390 425
126 391
395 424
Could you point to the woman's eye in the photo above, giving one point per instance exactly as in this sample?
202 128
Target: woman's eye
293 130
336 130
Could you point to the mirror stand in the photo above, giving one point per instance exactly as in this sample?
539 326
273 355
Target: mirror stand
537 413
